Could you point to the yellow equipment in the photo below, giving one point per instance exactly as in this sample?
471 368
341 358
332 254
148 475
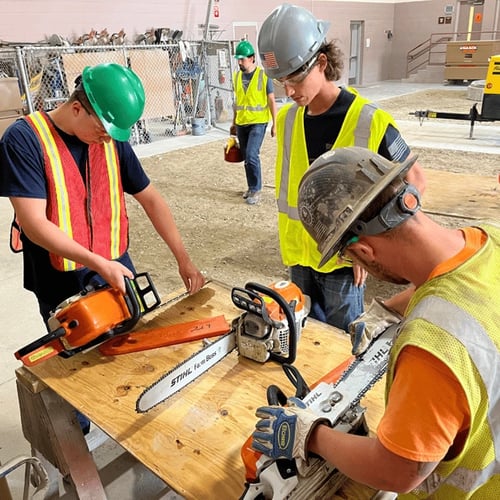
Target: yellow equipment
491 96
490 108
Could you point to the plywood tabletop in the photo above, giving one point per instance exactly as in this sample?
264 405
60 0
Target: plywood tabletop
193 440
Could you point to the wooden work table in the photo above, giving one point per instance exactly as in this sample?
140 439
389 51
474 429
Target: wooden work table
193 440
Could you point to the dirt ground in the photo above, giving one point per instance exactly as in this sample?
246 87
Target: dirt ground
234 242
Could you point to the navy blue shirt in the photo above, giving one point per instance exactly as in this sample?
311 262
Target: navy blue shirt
22 174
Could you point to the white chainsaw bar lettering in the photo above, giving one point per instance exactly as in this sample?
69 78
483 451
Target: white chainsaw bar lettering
185 373
332 401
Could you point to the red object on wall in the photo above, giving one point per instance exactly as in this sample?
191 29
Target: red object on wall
216 11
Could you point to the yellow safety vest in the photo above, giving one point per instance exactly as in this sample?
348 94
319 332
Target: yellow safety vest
364 125
251 105
463 331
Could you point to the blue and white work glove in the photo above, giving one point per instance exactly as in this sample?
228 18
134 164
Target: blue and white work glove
369 325
283 431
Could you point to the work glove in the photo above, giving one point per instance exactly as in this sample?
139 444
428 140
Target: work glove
369 325
283 431
232 130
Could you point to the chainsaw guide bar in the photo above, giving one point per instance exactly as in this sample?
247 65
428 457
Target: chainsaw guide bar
185 373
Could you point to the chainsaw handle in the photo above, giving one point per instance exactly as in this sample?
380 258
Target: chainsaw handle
288 309
134 307
251 302
135 297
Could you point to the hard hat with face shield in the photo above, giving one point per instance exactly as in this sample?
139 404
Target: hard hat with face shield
288 39
117 96
340 185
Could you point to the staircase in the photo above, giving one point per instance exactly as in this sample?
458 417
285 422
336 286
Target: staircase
428 74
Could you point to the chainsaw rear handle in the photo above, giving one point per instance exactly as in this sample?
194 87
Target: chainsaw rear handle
248 299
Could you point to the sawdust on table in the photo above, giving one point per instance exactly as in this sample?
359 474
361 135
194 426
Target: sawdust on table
234 242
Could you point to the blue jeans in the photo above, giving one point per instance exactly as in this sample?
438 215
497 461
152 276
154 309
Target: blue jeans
334 297
250 138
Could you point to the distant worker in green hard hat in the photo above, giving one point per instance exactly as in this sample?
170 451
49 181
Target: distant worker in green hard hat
254 106
66 173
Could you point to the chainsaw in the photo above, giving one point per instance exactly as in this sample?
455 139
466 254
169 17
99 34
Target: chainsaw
269 329
90 317
335 397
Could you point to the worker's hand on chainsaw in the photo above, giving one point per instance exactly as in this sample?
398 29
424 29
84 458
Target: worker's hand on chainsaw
369 325
114 273
283 431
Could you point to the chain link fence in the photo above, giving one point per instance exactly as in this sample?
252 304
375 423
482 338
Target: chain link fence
186 83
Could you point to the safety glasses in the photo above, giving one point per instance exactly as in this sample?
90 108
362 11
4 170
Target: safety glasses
298 76
343 248
96 120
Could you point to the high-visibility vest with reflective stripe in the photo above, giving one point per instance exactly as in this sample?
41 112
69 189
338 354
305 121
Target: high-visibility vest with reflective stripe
364 125
93 214
461 327
251 104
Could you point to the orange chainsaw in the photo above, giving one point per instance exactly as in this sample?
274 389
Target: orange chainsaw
89 318
268 330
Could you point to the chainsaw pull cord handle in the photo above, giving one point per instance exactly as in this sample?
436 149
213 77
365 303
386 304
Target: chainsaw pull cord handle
295 377
289 310
275 396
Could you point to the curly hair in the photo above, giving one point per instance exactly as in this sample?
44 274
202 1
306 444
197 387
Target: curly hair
335 60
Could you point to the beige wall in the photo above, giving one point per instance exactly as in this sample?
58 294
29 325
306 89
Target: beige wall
410 22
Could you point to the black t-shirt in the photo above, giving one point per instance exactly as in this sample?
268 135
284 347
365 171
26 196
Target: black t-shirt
22 174
321 131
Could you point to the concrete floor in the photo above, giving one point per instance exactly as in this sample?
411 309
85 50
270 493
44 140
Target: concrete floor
123 477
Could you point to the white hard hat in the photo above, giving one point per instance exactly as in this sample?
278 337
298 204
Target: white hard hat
289 38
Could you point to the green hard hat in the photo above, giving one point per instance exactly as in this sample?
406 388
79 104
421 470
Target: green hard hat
116 95
244 49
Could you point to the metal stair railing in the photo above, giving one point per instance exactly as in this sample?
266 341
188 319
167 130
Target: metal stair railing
432 52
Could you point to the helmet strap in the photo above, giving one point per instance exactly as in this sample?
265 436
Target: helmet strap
400 208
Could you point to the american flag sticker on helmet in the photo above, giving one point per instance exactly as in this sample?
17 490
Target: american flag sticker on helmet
269 60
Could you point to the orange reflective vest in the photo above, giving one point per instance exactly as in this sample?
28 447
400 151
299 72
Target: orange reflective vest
91 212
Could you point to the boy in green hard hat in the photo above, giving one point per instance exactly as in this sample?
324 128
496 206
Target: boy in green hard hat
66 173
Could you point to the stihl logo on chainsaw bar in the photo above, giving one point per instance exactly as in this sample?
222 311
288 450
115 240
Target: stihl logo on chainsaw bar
312 397
189 371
